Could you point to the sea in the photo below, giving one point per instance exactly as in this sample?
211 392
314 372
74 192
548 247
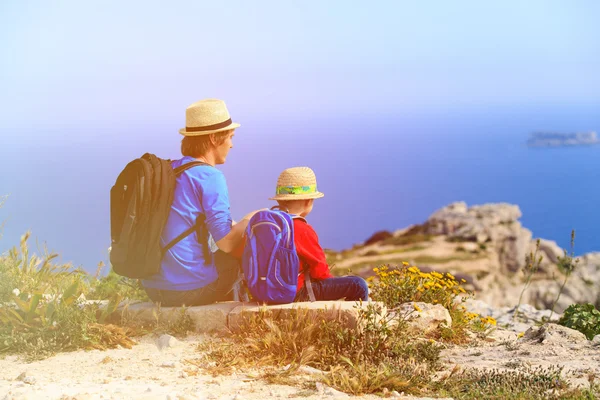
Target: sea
378 172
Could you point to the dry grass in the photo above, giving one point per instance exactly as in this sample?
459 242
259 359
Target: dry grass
378 355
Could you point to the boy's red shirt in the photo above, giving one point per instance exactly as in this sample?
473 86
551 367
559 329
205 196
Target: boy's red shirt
309 251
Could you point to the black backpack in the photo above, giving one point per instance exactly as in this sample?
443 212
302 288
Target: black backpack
140 203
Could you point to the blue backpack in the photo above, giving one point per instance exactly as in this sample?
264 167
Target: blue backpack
270 263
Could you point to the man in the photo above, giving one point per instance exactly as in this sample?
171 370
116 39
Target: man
190 274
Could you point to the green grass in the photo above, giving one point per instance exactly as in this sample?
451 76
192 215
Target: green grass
405 239
425 259
41 308
397 251
360 266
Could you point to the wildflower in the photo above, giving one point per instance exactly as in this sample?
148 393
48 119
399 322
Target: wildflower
521 334
16 292
405 263
414 270
463 281
416 307
375 269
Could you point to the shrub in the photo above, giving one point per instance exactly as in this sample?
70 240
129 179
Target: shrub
398 285
584 318
114 285
377 237
521 383
42 312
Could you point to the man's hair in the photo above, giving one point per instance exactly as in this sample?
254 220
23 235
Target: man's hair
198 146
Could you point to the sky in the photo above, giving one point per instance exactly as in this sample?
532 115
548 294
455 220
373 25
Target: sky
112 79
73 63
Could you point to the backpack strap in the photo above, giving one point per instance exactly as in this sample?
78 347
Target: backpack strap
200 220
306 271
252 280
308 284
179 170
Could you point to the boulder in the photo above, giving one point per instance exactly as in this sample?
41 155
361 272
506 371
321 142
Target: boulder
424 316
554 334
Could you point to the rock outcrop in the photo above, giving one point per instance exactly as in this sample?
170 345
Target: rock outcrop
495 223
498 227
487 245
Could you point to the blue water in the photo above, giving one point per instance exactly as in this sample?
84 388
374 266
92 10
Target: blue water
377 172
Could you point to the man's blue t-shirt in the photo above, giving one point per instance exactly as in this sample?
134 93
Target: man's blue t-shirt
199 190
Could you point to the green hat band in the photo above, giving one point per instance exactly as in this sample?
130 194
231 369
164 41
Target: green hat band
297 189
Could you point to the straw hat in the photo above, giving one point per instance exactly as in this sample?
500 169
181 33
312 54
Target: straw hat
298 183
207 116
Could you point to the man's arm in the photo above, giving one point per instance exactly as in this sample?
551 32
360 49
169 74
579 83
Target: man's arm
231 241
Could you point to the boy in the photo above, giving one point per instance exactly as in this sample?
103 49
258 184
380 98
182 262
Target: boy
296 192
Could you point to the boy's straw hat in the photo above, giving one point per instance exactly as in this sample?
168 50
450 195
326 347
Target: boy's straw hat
298 183
207 116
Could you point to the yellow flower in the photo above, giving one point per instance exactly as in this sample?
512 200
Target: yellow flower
405 263
375 269
417 308
463 281
521 334
414 270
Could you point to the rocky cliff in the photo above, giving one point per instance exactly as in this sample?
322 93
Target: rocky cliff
485 245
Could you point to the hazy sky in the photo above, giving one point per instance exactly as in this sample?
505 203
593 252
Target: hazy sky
107 63
89 85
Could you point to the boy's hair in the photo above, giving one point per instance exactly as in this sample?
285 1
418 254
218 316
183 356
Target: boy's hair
197 146
288 203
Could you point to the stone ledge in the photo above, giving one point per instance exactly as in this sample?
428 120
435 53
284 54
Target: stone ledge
227 316
209 318
344 311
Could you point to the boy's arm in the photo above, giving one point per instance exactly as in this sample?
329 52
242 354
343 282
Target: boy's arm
310 252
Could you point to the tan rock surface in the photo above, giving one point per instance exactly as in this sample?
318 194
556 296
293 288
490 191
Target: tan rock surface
485 245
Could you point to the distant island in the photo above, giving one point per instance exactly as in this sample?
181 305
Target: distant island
553 139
